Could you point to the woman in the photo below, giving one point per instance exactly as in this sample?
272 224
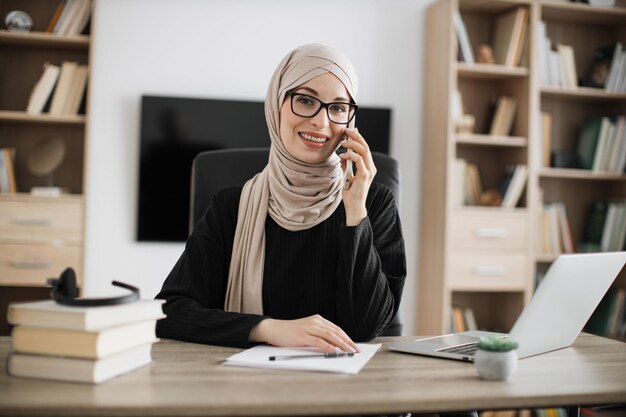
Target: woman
300 255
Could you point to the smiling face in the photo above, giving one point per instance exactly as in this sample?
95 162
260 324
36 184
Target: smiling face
313 139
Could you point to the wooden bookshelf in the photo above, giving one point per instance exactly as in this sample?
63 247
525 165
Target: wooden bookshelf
39 236
483 238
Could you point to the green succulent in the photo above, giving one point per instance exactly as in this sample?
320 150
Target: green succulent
497 344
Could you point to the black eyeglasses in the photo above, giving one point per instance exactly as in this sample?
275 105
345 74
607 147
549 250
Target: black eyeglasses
338 112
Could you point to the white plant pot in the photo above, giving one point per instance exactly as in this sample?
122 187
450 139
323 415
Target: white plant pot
495 366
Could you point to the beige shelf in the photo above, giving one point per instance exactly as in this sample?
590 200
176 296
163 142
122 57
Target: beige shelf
490 71
489 140
43 39
584 93
579 174
582 13
23 117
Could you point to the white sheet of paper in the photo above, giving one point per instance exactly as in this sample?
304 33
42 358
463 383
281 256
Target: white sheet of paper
258 357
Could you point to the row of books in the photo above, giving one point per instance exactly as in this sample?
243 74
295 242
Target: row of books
7 170
609 318
601 144
555 233
469 189
557 65
509 41
59 90
605 227
81 344
70 17
462 319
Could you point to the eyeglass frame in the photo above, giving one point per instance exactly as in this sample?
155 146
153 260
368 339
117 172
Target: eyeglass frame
293 93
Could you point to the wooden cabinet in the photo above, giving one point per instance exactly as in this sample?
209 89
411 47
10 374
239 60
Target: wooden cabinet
39 236
487 258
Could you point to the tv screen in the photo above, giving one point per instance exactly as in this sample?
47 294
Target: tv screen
174 130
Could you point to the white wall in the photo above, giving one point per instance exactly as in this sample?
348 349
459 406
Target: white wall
229 48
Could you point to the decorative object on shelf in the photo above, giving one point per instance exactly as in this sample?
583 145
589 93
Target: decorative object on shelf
18 21
45 158
496 358
484 54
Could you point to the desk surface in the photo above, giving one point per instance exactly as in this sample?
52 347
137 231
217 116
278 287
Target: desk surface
189 379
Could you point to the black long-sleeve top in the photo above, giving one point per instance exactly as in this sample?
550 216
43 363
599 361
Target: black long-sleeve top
352 276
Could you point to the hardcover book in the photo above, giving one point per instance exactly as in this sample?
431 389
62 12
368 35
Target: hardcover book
48 313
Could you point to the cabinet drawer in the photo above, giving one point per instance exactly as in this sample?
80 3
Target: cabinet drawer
489 272
489 230
34 264
41 221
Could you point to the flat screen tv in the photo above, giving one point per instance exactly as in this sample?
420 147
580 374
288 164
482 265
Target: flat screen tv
174 130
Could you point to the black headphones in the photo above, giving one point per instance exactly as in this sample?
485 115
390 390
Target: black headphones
64 292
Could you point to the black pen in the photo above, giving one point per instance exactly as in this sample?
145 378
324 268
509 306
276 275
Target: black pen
316 355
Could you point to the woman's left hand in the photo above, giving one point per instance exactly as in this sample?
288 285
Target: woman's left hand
357 186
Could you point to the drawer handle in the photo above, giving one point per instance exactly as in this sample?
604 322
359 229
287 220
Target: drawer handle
32 222
489 270
491 232
32 265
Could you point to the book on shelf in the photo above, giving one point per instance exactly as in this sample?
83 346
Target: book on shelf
73 17
508 36
515 188
78 22
468 184
556 233
503 117
7 170
567 65
48 313
43 88
78 370
82 344
614 230
605 227
76 91
462 319
546 136
543 54
601 144
61 93
55 16
465 53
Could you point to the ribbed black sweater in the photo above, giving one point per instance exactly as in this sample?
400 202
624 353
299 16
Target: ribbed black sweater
352 276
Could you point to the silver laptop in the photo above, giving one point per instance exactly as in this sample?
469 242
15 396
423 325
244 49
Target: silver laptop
568 295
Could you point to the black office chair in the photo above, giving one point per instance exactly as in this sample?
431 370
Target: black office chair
213 171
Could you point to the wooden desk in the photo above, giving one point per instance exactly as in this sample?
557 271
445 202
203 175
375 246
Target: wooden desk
189 380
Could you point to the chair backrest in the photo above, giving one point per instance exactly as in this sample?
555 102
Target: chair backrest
213 171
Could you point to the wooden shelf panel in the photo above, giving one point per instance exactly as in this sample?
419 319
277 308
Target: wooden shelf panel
490 71
583 93
579 174
582 13
489 140
23 117
43 39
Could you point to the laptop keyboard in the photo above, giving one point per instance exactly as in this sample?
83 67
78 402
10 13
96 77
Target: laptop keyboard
468 349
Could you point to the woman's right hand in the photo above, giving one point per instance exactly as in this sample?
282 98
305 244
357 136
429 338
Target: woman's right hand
312 331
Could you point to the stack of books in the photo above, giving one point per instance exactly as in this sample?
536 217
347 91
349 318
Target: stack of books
60 90
81 344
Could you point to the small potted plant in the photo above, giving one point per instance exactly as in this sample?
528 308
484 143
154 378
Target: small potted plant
496 358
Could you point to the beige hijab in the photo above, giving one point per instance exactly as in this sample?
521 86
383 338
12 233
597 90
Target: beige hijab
297 195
